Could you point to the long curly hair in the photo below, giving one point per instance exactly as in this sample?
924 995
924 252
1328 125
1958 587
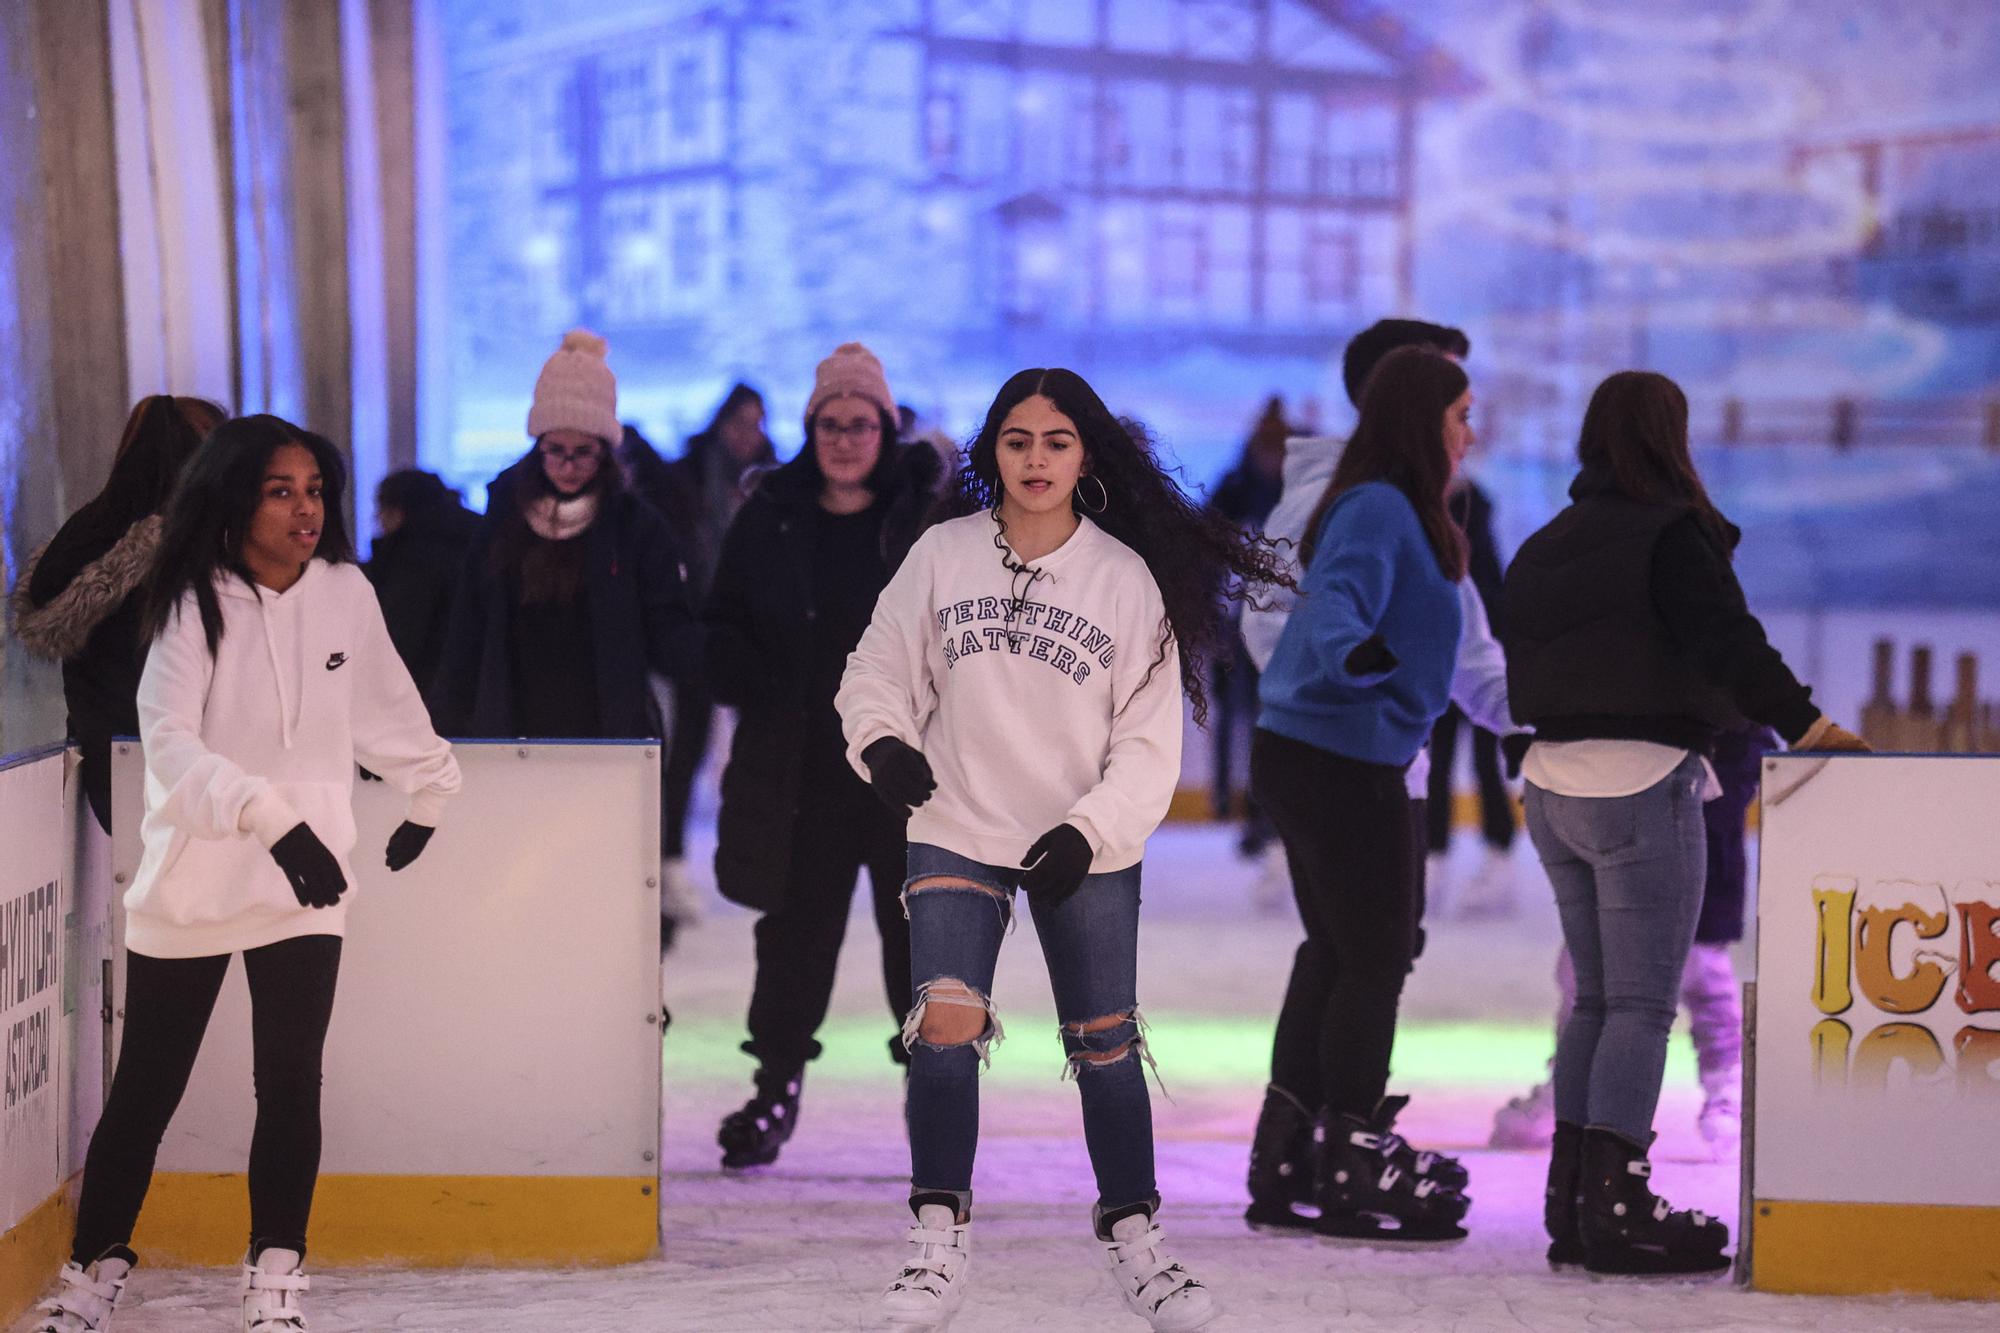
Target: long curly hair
209 516
1190 551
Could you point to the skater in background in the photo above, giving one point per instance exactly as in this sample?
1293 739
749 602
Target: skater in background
1629 649
79 598
250 745
798 578
1490 890
698 494
416 561
572 591
1362 669
1244 496
1709 990
1019 689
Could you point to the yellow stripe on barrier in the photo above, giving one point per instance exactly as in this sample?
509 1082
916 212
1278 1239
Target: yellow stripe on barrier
33 1252
1851 1249
415 1221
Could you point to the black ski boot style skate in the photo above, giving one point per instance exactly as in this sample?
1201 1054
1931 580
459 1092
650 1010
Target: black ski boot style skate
1627 1229
1281 1164
1366 1188
752 1135
1559 1199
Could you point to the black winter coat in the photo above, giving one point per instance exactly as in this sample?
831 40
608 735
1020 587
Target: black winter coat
640 622
415 570
757 651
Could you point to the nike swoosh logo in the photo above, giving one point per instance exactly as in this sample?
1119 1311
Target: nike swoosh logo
336 661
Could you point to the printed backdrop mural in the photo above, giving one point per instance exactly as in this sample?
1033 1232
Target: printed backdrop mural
1792 206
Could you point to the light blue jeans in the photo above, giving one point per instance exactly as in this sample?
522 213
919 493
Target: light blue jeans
1628 873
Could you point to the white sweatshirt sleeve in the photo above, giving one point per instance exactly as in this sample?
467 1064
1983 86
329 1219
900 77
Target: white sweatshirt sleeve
887 689
1479 681
1142 764
393 737
206 795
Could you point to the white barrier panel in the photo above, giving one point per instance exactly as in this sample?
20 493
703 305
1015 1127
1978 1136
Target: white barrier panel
1877 1085
492 1088
38 1017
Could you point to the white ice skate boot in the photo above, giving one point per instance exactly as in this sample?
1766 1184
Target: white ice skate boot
1490 891
272 1284
1721 1119
1528 1121
680 897
86 1297
931 1287
1153 1285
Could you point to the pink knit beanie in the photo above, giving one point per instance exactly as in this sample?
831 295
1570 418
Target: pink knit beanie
577 391
852 369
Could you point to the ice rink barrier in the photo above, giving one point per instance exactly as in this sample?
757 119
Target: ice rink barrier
1870 1165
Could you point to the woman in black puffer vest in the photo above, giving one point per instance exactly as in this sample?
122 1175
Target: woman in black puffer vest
796 584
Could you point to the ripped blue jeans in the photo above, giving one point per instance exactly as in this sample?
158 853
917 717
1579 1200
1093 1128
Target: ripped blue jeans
1091 945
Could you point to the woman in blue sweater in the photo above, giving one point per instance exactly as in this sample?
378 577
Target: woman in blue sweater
1359 676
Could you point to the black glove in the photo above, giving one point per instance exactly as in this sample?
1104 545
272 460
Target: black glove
1371 657
311 868
407 843
1056 865
1514 749
900 775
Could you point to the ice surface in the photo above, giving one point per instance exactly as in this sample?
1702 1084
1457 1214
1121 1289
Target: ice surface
806 1244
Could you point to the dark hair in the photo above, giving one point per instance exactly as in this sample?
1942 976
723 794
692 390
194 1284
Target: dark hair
542 571
1636 431
1190 551
413 491
210 512
880 478
1400 440
1384 336
161 435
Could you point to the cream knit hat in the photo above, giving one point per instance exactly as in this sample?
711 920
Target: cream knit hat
852 369
577 391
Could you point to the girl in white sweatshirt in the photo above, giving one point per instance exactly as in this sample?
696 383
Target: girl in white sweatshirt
1019 692
270 675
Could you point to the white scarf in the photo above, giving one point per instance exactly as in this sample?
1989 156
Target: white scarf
558 518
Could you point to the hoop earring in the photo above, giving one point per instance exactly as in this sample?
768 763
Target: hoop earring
1103 496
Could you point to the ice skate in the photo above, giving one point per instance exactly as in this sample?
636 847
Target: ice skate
1152 1284
1628 1230
272 1284
1281 1158
86 1298
931 1287
1721 1118
1442 1167
1559 1198
1367 1191
1528 1121
753 1134
1489 893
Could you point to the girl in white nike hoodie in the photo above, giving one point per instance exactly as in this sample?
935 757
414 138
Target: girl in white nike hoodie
270 675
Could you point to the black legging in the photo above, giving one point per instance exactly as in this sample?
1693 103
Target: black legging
694 722
1496 806
1348 839
167 1006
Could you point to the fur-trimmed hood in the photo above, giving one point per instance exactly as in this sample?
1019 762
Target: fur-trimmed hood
59 628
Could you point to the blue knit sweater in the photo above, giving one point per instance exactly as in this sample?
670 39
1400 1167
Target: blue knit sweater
1373 572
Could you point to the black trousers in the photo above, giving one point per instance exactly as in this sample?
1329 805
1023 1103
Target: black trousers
841 828
687 747
167 1006
1496 807
1349 840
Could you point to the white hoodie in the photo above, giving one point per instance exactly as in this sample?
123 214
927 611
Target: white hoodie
1479 682
242 746
1073 718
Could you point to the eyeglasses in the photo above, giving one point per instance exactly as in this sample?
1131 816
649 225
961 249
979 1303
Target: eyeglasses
859 429
583 455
